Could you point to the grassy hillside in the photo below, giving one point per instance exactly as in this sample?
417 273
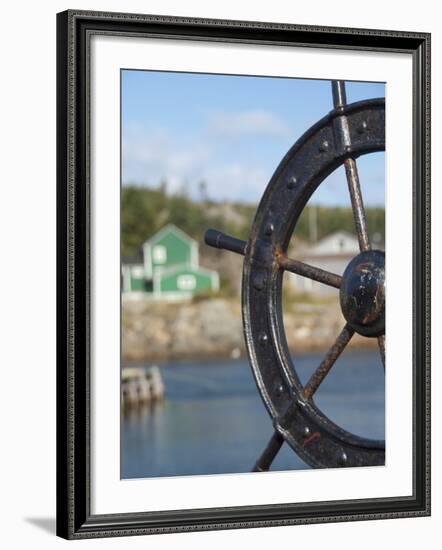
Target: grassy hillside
145 210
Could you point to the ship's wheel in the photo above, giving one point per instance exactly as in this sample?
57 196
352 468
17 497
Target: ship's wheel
347 132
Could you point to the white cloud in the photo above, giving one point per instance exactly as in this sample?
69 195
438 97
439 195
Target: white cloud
150 158
246 123
236 181
151 155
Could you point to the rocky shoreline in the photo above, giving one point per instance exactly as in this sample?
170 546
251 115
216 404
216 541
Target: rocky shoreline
212 328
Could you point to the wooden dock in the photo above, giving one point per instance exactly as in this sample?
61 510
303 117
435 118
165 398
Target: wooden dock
140 386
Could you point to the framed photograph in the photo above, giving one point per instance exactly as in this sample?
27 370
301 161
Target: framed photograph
243 274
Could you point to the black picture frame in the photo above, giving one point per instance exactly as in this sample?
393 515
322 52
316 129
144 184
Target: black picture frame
74 518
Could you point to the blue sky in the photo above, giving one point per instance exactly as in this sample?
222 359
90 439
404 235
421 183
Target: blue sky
230 131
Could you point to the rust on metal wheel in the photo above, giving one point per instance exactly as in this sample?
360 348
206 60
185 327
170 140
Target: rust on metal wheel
347 132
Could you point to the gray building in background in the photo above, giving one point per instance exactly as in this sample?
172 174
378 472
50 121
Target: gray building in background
332 253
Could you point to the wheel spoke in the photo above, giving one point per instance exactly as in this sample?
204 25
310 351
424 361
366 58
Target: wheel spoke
357 203
309 271
351 170
329 360
381 342
217 239
268 455
339 94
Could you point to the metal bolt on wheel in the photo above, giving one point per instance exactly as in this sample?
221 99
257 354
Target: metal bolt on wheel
347 132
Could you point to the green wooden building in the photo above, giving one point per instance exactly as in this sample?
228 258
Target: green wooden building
170 268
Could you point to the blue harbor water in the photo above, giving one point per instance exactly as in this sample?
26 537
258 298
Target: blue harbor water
213 421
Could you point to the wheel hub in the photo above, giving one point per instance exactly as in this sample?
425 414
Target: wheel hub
362 293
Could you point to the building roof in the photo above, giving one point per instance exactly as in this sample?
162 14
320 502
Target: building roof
169 228
337 243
